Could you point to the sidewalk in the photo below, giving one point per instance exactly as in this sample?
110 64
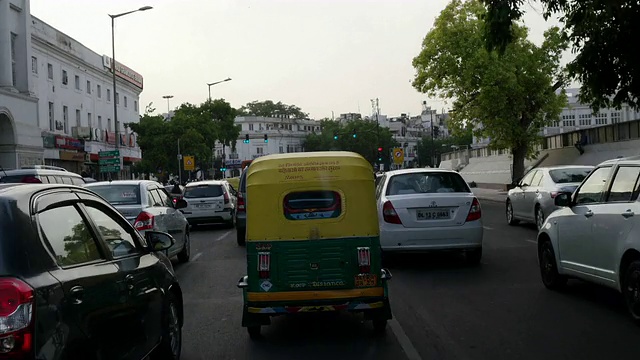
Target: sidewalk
490 194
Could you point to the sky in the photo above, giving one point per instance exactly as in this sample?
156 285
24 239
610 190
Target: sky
322 55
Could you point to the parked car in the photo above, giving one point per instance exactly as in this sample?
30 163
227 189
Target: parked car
41 175
595 234
532 198
148 206
241 210
429 210
209 201
73 271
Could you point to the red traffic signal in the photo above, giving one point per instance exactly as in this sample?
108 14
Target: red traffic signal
379 149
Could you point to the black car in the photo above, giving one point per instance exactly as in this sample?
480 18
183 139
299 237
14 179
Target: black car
77 281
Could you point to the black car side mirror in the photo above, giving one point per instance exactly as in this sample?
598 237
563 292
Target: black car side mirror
159 241
181 204
562 199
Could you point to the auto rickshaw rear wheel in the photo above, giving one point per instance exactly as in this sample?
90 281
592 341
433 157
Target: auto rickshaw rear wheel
379 325
254 332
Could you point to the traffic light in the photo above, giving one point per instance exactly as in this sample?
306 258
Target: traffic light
335 135
380 154
266 138
246 139
354 134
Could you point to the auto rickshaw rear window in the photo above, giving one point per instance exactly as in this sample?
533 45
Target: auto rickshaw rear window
310 205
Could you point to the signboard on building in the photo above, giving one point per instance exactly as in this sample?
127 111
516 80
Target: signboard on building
124 72
109 161
63 142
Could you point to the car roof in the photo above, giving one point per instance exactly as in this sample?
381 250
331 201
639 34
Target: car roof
558 167
38 171
14 191
630 160
123 182
206 182
419 170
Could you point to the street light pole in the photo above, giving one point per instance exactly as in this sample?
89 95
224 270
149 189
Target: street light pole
113 72
214 83
168 97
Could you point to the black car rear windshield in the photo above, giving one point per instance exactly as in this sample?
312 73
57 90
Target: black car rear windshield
118 194
426 182
569 175
203 191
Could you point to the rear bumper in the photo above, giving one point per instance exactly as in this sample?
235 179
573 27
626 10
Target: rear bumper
394 237
208 216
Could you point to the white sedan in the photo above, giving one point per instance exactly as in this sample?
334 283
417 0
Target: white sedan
428 210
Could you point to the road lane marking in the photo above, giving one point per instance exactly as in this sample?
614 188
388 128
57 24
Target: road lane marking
403 339
487 228
222 236
196 256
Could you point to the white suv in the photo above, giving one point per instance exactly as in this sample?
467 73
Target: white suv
595 236
209 201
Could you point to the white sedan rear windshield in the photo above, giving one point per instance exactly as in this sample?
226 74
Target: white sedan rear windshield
569 175
118 194
203 191
426 182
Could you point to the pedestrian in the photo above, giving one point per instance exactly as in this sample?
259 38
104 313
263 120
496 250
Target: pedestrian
176 189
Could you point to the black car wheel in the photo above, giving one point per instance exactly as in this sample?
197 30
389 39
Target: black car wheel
474 256
254 332
170 346
509 212
631 289
539 217
240 236
379 326
549 269
185 254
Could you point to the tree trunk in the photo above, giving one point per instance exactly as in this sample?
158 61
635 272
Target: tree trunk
518 155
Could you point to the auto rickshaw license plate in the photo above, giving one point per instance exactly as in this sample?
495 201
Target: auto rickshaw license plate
366 280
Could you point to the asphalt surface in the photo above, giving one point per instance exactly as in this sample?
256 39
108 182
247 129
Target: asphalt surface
443 309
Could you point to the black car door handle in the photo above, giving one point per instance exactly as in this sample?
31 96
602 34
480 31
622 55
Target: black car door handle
76 294
129 280
628 213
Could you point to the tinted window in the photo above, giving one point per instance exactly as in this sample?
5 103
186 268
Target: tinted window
379 185
203 191
69 236
426 182
77 181
536 178
118 194
152 198
117 238
66 180
593 187
309 205
165 199
570 175
526 180
624 185
11 179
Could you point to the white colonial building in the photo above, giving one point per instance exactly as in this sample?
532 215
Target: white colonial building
20 140
75 90
284 135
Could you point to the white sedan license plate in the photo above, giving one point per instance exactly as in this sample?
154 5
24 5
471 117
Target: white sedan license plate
433 214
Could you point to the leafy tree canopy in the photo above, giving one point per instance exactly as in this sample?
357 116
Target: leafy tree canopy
268 108
601 33
507 98
365 143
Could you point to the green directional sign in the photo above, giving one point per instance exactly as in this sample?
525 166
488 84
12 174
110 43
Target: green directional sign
109 169
113 153
111 161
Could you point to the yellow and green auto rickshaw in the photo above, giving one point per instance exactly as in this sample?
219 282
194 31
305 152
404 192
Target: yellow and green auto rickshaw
312 239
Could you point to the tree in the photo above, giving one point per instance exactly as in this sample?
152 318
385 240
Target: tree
507 98
152 139
268 108
431 149
600 33
339 136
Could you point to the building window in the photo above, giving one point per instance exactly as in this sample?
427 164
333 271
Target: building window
88 87
34 65
89 119
281 150
77 78
78 119
14 74
259 151
50 71
108 124
65 78
117 98
65 117
99 90
99 122
135 105
601 118
125 101
108 94
615 117
250 127
52 125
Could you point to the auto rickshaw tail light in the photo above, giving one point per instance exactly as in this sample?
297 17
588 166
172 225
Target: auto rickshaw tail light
264 264
240 203
364 260
475 212
389 214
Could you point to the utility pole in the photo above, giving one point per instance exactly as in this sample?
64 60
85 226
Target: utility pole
179 164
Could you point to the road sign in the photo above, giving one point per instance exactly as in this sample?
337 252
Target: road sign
189 163
109 161
110 168
113 153
398 156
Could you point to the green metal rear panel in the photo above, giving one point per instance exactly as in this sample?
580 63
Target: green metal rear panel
325 264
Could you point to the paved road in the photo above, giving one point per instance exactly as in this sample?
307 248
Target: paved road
443 309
